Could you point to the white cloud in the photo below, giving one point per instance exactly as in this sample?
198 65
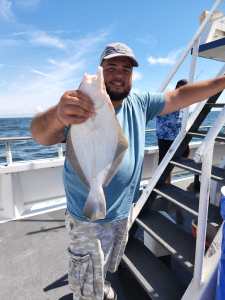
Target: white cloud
19 33
160 60
34 38
43 85
6 10
136 75
42 74
44 39
170 59
38 89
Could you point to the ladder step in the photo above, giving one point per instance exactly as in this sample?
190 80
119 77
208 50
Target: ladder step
126 285
157 280
202 134
178 242
218 105
190 165
184 199
213 50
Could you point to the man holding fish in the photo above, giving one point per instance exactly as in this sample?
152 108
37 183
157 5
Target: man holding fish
103 125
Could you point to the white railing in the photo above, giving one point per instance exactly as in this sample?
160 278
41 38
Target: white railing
204 154
147 191
7 141
206 157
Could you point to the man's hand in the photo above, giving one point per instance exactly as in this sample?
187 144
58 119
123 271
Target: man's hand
74 107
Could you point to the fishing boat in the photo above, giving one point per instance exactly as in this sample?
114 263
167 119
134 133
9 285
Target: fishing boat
175 238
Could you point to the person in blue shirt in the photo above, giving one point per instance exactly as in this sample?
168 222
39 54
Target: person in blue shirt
97 247
167 129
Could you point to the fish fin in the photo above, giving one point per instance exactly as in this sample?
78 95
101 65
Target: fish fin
100 79
71 156
95 205
82 82
120 151
101 86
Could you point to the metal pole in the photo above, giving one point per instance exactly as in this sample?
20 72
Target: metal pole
210 137
194 60
8 153
190 45
203 214
60 150
191 79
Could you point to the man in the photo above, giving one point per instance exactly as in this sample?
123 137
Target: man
97 247
167 128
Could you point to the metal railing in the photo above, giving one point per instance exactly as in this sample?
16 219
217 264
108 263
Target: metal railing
7 141
207 158
204 154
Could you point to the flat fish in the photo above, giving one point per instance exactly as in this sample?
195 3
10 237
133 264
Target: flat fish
96 147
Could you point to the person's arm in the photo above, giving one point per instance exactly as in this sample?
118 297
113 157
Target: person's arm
74 107
192 93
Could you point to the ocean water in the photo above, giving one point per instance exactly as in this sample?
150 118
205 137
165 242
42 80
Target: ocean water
28 150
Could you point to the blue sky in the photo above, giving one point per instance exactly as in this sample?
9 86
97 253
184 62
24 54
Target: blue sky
47 45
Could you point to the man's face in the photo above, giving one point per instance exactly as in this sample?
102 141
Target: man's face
118 77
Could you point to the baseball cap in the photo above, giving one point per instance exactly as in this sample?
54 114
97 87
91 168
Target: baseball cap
118 49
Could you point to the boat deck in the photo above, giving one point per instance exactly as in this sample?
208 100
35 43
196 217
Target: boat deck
33 261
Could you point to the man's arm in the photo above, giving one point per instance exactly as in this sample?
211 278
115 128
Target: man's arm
192 93
46 128
74 107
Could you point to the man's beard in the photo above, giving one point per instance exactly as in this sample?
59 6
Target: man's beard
116 96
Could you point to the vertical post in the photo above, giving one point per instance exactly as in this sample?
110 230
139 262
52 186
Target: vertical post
8 153
221 267
210 137
60 150
191 79
194 60
203 214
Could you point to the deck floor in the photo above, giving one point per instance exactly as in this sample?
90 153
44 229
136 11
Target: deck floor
33 262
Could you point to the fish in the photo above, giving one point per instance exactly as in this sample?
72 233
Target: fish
97 146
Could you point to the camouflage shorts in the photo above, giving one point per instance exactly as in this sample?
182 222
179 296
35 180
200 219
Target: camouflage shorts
94 249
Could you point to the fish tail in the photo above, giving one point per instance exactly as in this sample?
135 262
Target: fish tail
95 206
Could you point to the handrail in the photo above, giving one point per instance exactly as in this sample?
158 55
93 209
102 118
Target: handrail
197 279
204 154
201 127
15 138
210 137
9 140
207 158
